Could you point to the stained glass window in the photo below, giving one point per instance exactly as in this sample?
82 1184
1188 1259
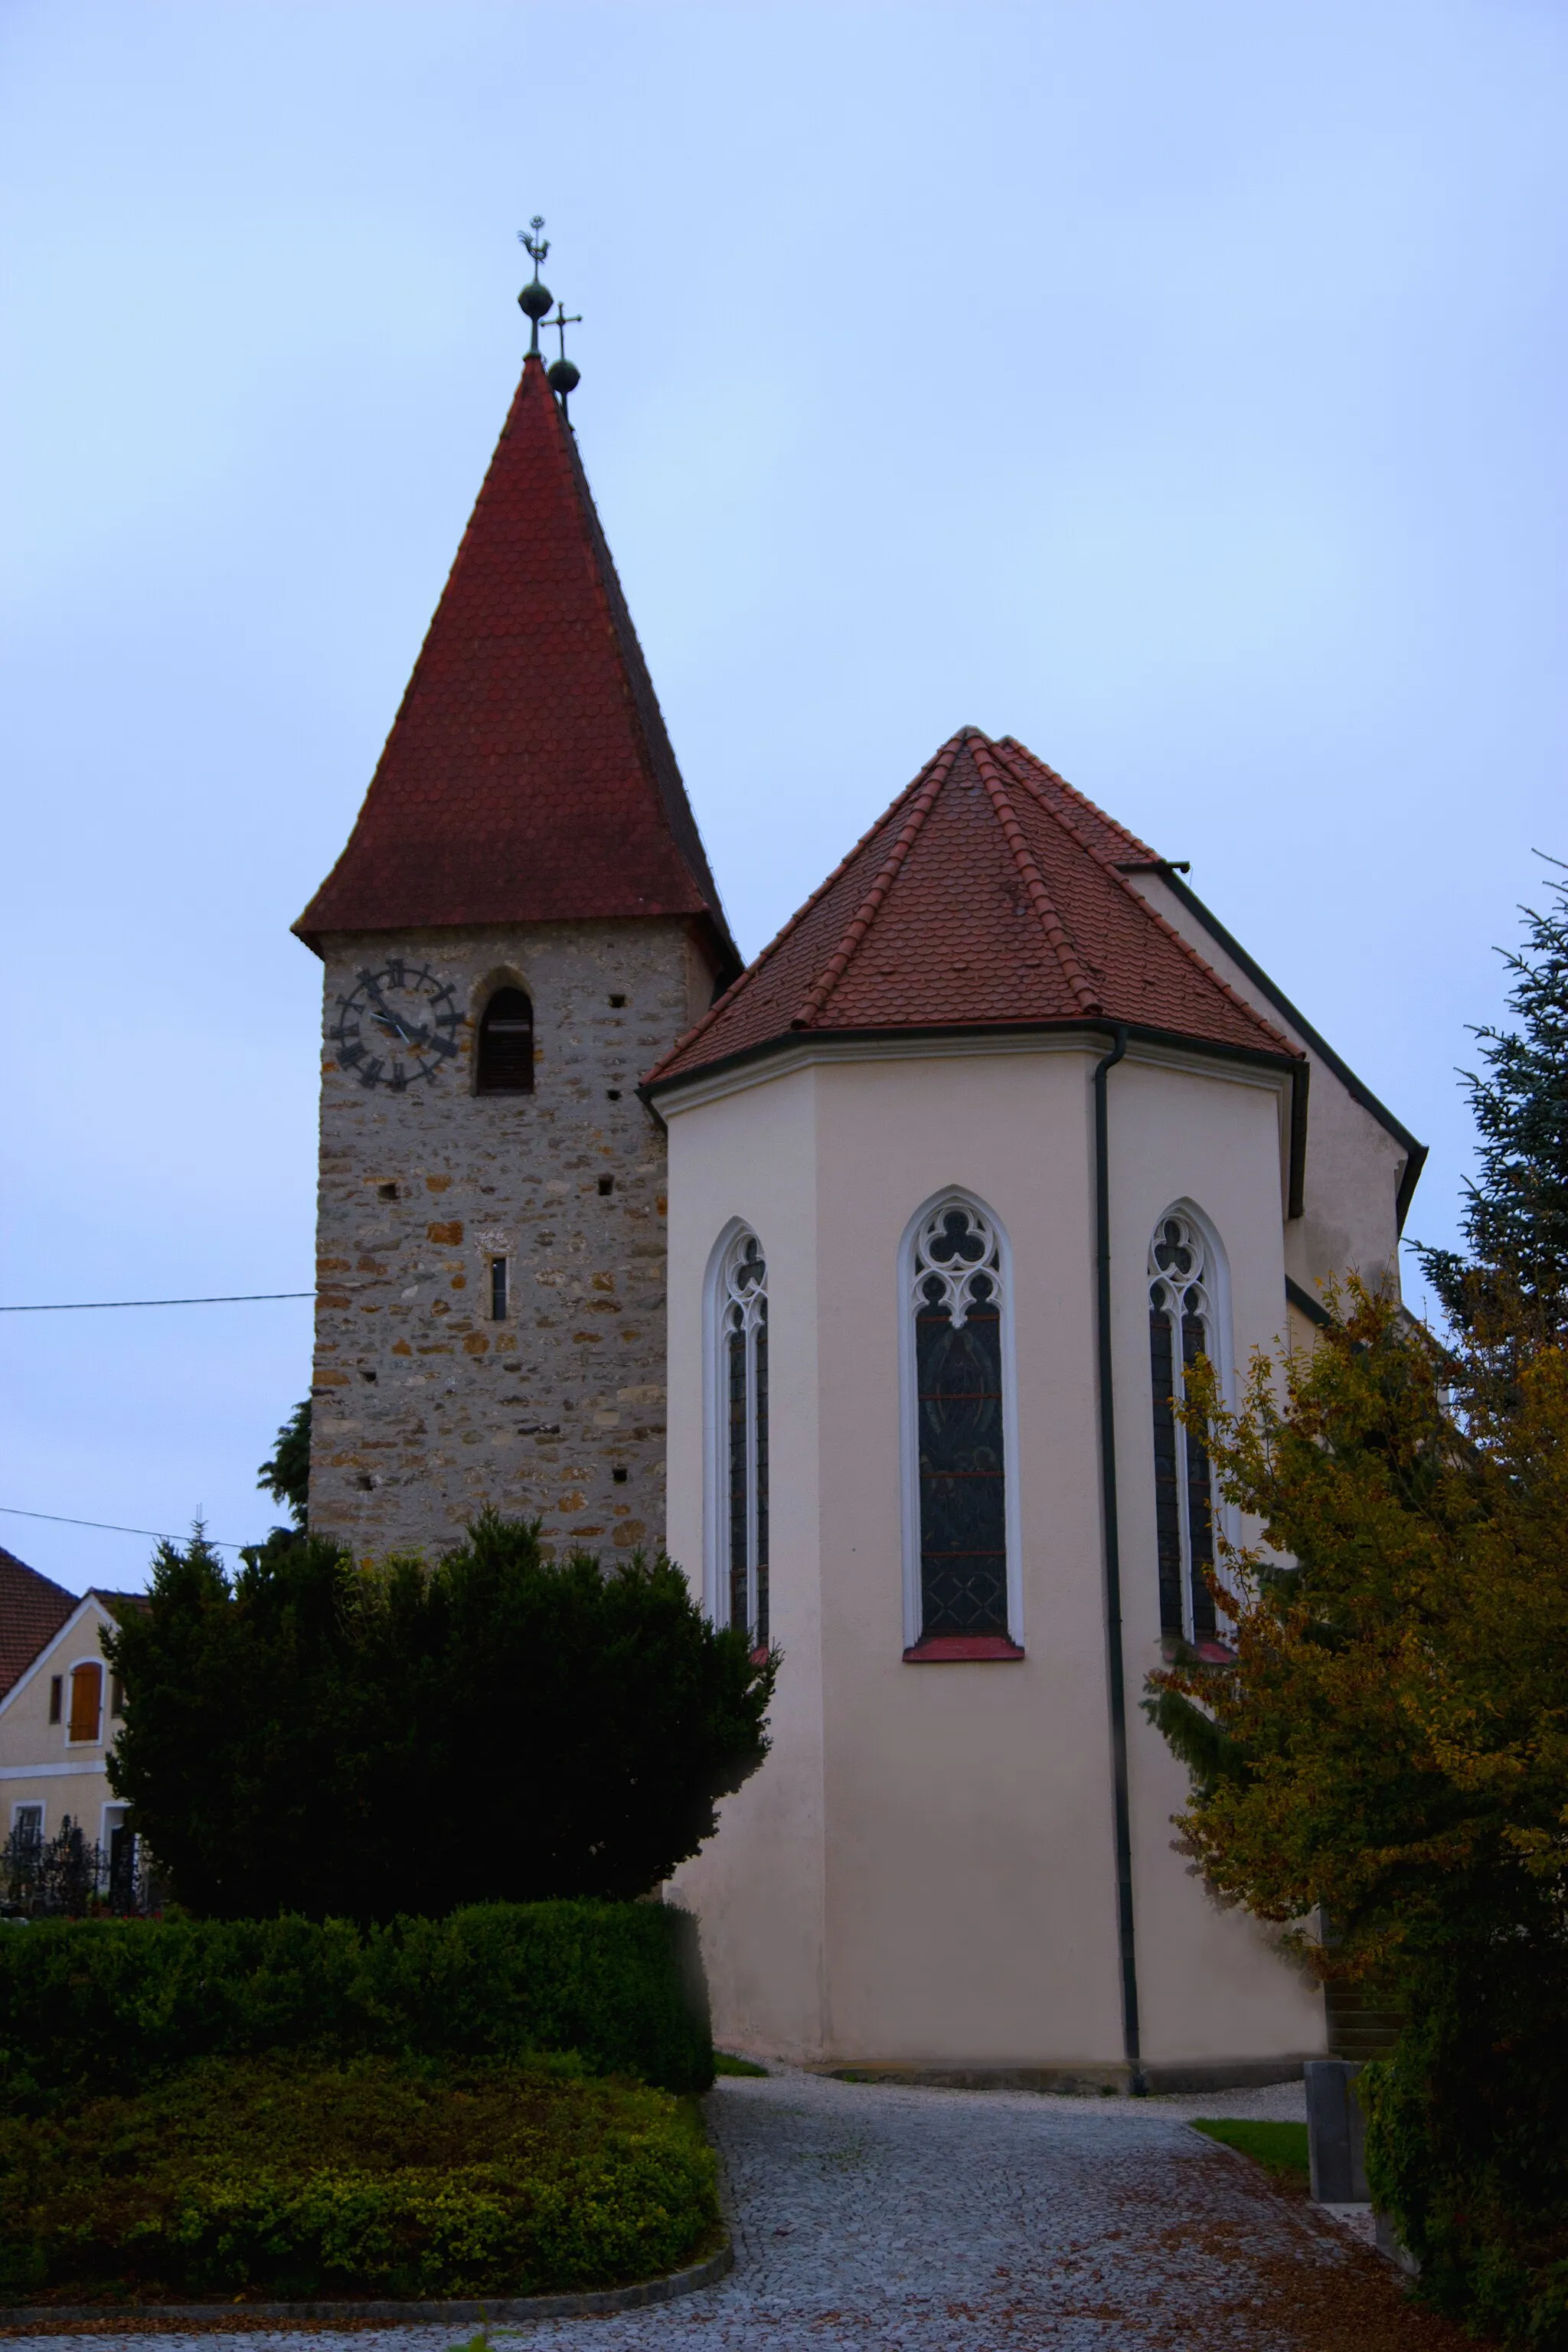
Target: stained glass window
1181 1329
744 1330
957 1309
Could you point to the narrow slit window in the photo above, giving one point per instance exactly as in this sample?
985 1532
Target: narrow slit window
958 1425
1181 1328
506 1044
744 1334
497 1290
57 1694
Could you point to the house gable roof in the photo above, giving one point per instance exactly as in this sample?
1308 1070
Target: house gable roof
987 897
528 776
32 1609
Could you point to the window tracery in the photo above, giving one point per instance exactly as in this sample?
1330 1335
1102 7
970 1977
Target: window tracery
1183 1325
743 1337
955 1301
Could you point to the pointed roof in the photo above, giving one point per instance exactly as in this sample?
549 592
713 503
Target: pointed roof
33 1608
988 897
528 776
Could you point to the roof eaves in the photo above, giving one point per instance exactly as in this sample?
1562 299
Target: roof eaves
1285 1059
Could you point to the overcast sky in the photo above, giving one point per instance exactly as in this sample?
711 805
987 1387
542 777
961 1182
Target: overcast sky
1177 386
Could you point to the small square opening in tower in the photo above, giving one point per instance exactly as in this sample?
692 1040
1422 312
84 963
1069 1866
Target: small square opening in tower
617 1001
607 1186
387 1192
497 1290
619 1474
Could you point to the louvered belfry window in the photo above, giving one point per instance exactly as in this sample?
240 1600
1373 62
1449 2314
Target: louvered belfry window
957 1309
743 1337
506 1044
1181 1329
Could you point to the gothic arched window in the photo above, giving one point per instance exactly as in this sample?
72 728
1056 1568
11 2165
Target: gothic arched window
743 1305
1183 1325
506 1044
958 1414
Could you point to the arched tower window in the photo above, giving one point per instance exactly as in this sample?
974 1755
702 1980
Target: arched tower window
958 1413
1184 1324
742 1303
506 1044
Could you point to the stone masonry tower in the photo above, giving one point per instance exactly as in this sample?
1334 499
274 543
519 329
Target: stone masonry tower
522 922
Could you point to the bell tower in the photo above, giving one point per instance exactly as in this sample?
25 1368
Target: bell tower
523 921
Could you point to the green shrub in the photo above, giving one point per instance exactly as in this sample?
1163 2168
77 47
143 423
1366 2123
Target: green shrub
1280 2147
305 1734
281 2178
89 2004
1467 2144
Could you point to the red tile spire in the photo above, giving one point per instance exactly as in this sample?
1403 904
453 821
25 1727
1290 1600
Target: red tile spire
528 776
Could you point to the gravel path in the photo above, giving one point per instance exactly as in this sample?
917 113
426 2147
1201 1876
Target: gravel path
884 2219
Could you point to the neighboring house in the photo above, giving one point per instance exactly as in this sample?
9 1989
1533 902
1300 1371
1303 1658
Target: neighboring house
60 1708
958 1177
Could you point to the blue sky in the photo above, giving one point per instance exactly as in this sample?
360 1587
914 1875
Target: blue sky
1175 387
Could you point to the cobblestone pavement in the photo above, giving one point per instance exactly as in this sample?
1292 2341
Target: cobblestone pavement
894 2220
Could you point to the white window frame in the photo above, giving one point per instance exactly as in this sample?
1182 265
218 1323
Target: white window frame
955 1196
716 1297
1215 1279
30 1805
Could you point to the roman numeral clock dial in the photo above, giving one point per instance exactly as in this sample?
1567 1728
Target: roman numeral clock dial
397 1027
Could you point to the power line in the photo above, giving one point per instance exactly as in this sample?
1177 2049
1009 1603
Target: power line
108 1528
224 1298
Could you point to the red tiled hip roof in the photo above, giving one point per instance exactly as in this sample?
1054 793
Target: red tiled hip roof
986 897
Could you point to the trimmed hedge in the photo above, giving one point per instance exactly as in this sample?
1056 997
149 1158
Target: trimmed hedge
90 2005
284 2178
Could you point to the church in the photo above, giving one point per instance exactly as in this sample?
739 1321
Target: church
863 1277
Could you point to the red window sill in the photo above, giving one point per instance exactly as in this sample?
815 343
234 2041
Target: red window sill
944 1649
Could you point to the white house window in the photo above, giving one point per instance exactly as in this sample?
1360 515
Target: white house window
958 1413
1184 1324
27 1825
743 1367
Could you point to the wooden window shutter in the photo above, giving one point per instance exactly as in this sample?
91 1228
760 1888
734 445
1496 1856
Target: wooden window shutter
87 1701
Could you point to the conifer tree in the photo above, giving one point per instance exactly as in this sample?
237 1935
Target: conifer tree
1516 1210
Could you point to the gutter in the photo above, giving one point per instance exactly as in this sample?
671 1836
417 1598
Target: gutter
1115 1664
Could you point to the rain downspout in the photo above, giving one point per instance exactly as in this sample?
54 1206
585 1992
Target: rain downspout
1116 1671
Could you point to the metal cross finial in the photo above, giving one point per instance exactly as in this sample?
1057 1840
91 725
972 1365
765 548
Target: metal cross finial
564 377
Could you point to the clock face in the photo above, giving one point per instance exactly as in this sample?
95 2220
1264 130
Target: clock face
397 1027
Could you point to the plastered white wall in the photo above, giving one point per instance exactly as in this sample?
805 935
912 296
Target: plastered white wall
922 1872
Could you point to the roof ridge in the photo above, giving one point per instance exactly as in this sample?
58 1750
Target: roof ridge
744 978
1107 865
1051 923
1073 793
813 1003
